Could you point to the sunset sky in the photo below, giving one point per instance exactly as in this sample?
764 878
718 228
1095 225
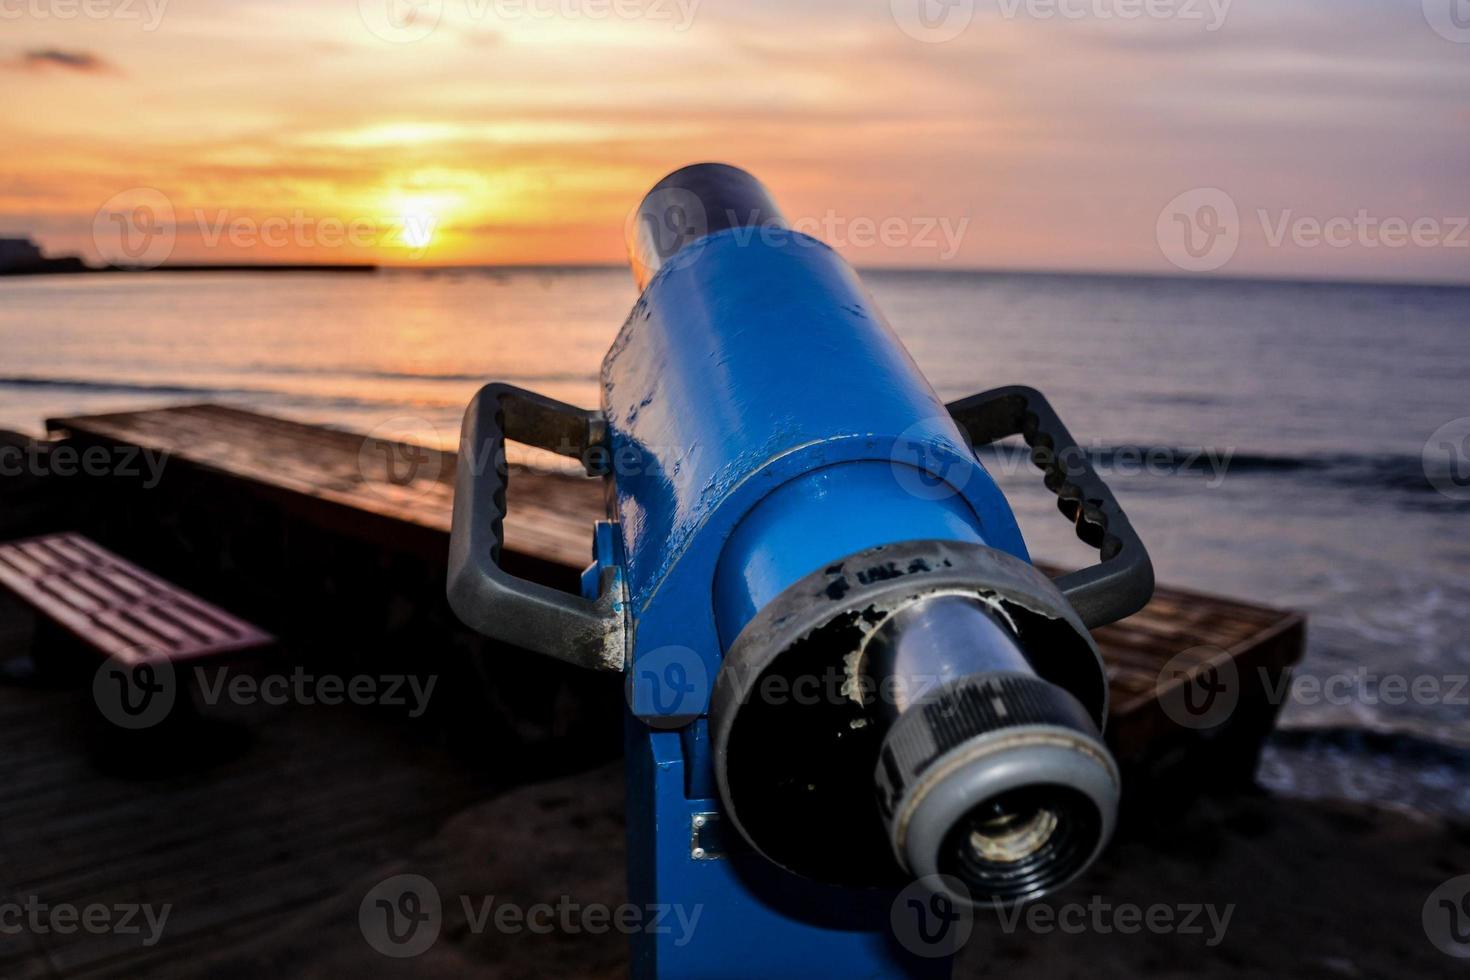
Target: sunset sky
1045 134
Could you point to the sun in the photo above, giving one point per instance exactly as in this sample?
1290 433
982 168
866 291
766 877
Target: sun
417 229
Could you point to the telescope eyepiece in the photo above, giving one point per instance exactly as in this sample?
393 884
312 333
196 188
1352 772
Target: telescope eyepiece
1000 781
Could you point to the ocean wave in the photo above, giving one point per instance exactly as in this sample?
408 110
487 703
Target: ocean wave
120 387
262 396
1409 742
1382 470
1414 771
1378 471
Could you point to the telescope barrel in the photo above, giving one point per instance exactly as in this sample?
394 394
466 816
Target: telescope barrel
797 392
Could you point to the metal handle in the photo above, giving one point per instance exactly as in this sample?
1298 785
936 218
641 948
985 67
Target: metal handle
586 632
1123 580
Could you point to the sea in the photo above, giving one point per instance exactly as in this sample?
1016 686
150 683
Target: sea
1305 445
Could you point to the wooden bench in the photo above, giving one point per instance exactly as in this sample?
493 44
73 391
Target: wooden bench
117 609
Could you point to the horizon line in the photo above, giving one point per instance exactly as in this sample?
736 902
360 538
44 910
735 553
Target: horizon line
884 269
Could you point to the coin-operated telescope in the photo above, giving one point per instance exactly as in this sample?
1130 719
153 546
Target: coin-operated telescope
844 674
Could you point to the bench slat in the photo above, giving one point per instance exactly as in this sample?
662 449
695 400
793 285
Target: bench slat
115 607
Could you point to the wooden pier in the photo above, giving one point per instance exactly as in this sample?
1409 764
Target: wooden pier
325 539
400 497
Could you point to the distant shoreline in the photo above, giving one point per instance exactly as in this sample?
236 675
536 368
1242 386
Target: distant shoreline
65 267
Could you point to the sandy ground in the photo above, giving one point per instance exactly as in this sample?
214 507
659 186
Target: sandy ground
1317 890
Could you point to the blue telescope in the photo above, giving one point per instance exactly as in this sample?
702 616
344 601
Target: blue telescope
848 685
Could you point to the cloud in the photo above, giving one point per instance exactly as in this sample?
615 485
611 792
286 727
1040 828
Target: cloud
41 59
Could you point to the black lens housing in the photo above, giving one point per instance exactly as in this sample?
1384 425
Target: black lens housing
1002 689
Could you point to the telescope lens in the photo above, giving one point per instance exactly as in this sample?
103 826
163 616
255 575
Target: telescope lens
998 833
1021 843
